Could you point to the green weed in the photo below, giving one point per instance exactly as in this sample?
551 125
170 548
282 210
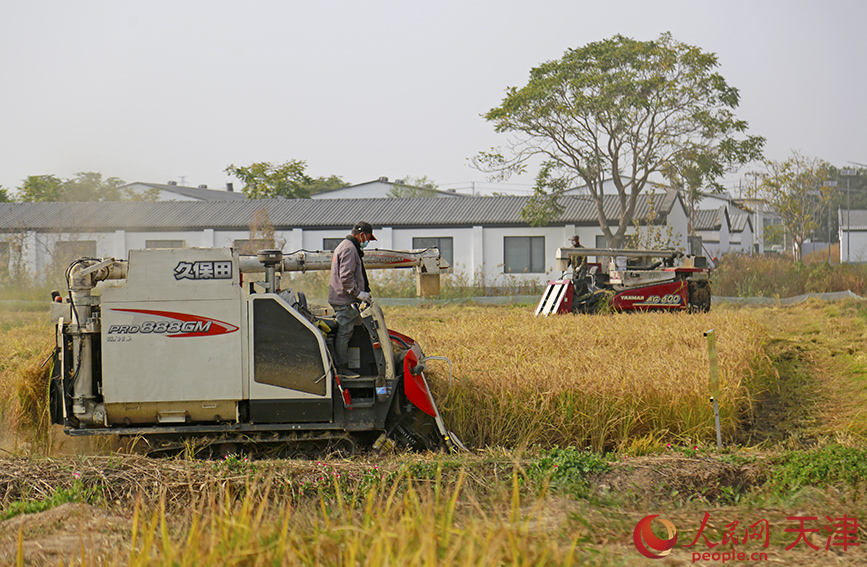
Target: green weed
75 493
568 469
833 465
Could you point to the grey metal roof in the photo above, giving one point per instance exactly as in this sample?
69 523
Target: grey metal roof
301 213
853 219
710 219
393 183
740 220
196 192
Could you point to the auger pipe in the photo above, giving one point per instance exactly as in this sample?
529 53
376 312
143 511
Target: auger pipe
82 277
424 260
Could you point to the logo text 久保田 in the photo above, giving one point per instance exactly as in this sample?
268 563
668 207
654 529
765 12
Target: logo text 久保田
220 270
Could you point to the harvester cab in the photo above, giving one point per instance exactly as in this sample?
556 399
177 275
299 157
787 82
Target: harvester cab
626 280
194 347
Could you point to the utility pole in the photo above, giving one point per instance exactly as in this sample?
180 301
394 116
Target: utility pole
848 173
829 184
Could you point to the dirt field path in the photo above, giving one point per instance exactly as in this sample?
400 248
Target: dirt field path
819 352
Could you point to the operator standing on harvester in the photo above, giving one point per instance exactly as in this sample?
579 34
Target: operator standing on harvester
348 284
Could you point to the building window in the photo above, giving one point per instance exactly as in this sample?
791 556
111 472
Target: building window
445 244
4 258
65 251
524 254
165 243
601 243
331 243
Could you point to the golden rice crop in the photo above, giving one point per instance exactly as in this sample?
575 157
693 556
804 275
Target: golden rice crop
25 344
406 523
600 381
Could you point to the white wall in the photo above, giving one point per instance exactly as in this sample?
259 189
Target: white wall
715 242
39 248
857 239
138 240
743 241
462 244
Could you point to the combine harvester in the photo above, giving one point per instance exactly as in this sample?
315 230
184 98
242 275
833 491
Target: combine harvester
198 347
627 280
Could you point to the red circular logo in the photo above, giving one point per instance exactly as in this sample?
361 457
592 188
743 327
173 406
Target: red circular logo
646 541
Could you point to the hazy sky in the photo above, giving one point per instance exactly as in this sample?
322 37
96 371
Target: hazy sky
157 91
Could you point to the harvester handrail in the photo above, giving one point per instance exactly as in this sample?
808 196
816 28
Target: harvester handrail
563 253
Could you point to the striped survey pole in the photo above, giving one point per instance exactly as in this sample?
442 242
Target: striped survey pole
714 382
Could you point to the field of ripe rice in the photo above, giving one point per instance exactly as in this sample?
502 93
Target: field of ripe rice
25 343
620 381
610 382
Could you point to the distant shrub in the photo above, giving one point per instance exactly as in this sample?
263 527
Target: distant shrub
741 275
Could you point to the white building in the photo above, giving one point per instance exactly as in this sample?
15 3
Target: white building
742 237
714 228
747 220
479 236
852 233
171 191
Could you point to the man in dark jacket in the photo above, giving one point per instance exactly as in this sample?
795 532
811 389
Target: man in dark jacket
348 284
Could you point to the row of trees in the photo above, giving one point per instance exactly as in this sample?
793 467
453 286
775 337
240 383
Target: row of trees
88 186
289 180
262 180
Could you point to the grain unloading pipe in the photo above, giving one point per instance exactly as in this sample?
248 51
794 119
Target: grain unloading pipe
424 260
81 277
427 262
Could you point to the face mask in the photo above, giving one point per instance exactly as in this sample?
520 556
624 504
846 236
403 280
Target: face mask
364 244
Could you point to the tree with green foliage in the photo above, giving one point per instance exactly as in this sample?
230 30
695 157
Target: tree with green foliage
795 189
4 195
264 180
320 184
91 186
414 187
85 186
692 173
623 110
40 188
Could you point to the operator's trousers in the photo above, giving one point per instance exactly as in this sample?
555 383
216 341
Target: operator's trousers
347 317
